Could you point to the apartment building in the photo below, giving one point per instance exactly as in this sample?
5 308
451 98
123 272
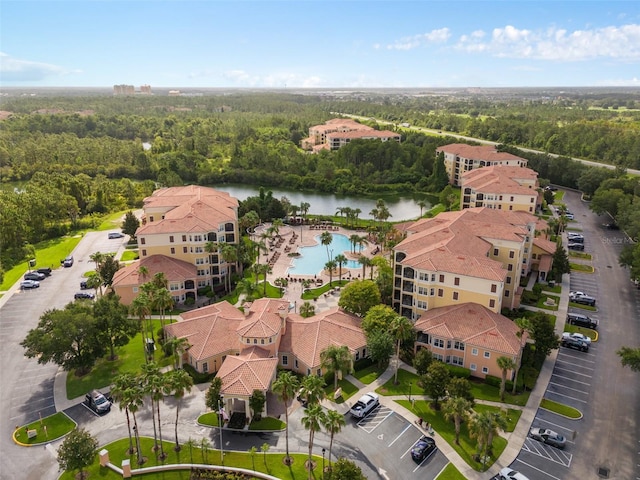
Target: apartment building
501 187
460 158
179 223
476 255
336 133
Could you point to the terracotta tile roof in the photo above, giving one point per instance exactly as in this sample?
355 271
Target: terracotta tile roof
472 324
500 179
305 338
545 263
195 209
264 318
460 242
210 330
364 134
251 370
545 245
173 269
478 152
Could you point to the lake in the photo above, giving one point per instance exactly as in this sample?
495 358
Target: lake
400 207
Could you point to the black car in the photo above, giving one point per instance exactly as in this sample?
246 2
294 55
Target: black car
582 320
423 449
46 271
34 276
611 226
575 246
84 295
575 343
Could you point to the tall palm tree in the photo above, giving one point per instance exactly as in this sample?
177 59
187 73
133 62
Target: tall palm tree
179 345
307 310
247 287
356 214
134 398
141 308
456 409
422 204
191 444
362 241
365 262
152 383
401 330
498 422
229 254
341 260
330 266
122 395
160 280
312 420
304 208
340 211
325 239
504 364
333 423
163 300
313 389
178 382
524 325
480 426
336 359
354 238
285 387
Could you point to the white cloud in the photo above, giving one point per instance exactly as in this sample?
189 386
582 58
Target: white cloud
613 42
274 80
408 43
18 70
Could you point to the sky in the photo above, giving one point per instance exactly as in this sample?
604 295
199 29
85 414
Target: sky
319 43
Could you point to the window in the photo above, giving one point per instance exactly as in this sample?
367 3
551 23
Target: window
144 252
170 238
199 250
458 345
438 357
248 340
506 293
432 292
494 288
511 254
423 291
456 281
184 238
255 341
455 295
205 367
199 261
174 286
422 305
440 292
308 371
492 303
473 367
457 360
173 251
143 240
441 279
508 280
433 277
184 250
285 360
357 355
474 351
319 372
296 363
135 289
510 268
495 252
262 341
487 354
485 370
438 343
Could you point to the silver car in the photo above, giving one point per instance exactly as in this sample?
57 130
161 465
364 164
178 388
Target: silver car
548 436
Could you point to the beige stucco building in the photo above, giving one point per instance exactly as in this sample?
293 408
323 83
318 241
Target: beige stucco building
460 158
502 188
338 132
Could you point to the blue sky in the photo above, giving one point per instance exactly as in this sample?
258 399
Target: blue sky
319 44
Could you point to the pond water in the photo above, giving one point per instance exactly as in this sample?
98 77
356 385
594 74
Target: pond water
400 207
313 259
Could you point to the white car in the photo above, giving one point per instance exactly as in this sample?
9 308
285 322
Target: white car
509 474
577 336
363 407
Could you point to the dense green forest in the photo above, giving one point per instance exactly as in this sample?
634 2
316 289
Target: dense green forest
76 157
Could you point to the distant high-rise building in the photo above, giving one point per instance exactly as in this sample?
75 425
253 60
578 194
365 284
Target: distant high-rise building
123 90
145 89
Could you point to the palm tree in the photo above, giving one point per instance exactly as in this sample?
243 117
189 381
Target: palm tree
401 330
152 383
480 426
265 448
141 308
264 270
179 345
325 239
524 325
340 211
160 280
313 389
333 423
504 364
304 208
178 383
354 238
122 395
356 214
365 262
191 444
335 359
312 420
362 241
286 386
330 266
307 310
229 254
134 398
205 444
498 421
422 204
456 409
341 260
163 301
247 287
143 272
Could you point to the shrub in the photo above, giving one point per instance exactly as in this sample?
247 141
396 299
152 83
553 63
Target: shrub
496 381
362 364
197 376
460 372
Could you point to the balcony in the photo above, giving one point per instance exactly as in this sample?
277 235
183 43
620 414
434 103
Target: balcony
407 287
409 273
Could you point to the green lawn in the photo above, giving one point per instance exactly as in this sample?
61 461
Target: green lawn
513 414
450 472
483 391
348 390
543 298
211 419
581 267
130 357
407 381
267 423
48 254
272 463
314 293
592 334
445 429
582 306
369 374
585 256
555 289
129 255
560 408
111 221
49 428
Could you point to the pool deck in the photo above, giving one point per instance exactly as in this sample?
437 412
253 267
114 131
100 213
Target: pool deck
292 238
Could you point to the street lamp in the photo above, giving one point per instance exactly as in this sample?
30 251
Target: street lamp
323 450
410 384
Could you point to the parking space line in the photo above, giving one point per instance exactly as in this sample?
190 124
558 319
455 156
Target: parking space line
537 469
572 379
564 386
426 458
409 449
574 364
562 354
551 423
400 434
575 373
567 396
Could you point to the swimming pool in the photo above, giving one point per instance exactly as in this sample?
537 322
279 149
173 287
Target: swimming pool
312 259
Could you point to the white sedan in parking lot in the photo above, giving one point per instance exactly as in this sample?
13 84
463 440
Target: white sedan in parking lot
577 336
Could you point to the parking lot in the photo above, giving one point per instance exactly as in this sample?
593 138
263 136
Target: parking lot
386 439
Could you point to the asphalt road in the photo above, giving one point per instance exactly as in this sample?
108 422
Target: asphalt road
605 443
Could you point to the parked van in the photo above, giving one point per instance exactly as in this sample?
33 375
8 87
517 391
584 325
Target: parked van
68 262
582 320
